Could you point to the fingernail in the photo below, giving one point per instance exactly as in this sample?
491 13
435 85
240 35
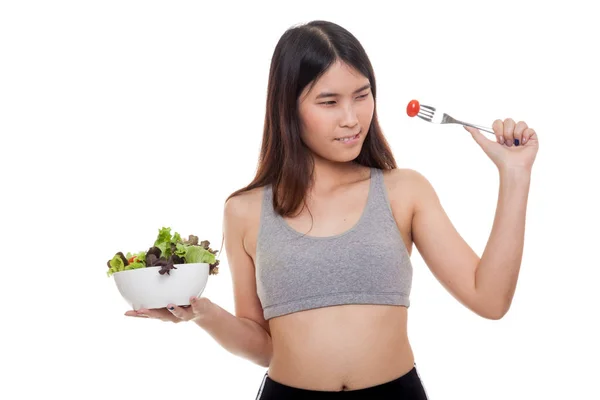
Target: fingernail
501 139
516 142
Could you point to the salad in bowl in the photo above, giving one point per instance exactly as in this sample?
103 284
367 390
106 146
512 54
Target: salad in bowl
171 271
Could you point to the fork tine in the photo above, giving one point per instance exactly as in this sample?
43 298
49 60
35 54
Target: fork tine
426 113
424 118
427 107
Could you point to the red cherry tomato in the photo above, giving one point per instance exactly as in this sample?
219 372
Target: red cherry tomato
413 108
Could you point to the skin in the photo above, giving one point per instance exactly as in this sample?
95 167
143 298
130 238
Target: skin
311 349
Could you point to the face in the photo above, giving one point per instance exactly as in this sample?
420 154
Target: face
336 113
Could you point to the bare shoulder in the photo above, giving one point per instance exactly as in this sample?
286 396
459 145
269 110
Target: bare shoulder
409 191
243 207
407 184
401 175
242 216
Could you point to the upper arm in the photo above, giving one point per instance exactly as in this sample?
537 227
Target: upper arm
235 225
451 260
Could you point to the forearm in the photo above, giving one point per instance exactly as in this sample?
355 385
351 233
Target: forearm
240 336
497 272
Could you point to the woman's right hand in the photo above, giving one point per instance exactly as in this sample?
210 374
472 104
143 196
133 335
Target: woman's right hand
197 310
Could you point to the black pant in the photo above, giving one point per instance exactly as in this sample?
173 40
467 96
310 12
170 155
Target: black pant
406 387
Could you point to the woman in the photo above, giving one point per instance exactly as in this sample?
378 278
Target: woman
319 242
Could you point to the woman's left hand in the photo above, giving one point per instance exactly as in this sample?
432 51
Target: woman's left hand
515 147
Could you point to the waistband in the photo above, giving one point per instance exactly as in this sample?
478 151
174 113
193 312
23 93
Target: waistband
402 385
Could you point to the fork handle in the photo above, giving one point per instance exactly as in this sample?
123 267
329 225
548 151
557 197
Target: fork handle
482 128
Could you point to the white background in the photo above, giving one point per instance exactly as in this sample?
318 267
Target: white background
120 117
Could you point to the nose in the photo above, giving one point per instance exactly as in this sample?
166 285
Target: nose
348 118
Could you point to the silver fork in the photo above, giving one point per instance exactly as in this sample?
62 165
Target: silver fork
429 114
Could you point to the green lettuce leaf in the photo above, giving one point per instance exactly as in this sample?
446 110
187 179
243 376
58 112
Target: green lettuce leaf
163 241
181 250
117 263
176 238
197 254
141 257
135 265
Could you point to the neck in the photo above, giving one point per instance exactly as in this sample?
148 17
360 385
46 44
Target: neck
328 175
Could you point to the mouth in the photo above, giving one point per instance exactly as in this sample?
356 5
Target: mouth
350 138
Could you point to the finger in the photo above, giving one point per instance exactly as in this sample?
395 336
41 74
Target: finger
144 312
132 313
489 146
157 313
518 134
199 305
476 134
509 128
180 313
528 134
498 128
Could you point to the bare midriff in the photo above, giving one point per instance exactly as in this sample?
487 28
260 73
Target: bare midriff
345 347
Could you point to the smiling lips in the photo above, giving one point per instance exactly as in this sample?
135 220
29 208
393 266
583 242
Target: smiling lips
348 138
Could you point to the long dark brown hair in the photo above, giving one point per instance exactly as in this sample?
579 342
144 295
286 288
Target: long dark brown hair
301 56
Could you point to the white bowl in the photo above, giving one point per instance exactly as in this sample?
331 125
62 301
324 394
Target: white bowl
146 288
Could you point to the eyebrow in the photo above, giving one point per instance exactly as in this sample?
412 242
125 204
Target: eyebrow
327 94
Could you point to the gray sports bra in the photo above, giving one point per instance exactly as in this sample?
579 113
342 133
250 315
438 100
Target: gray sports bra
367 264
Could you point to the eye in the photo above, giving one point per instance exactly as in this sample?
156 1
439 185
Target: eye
363 96
328 103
